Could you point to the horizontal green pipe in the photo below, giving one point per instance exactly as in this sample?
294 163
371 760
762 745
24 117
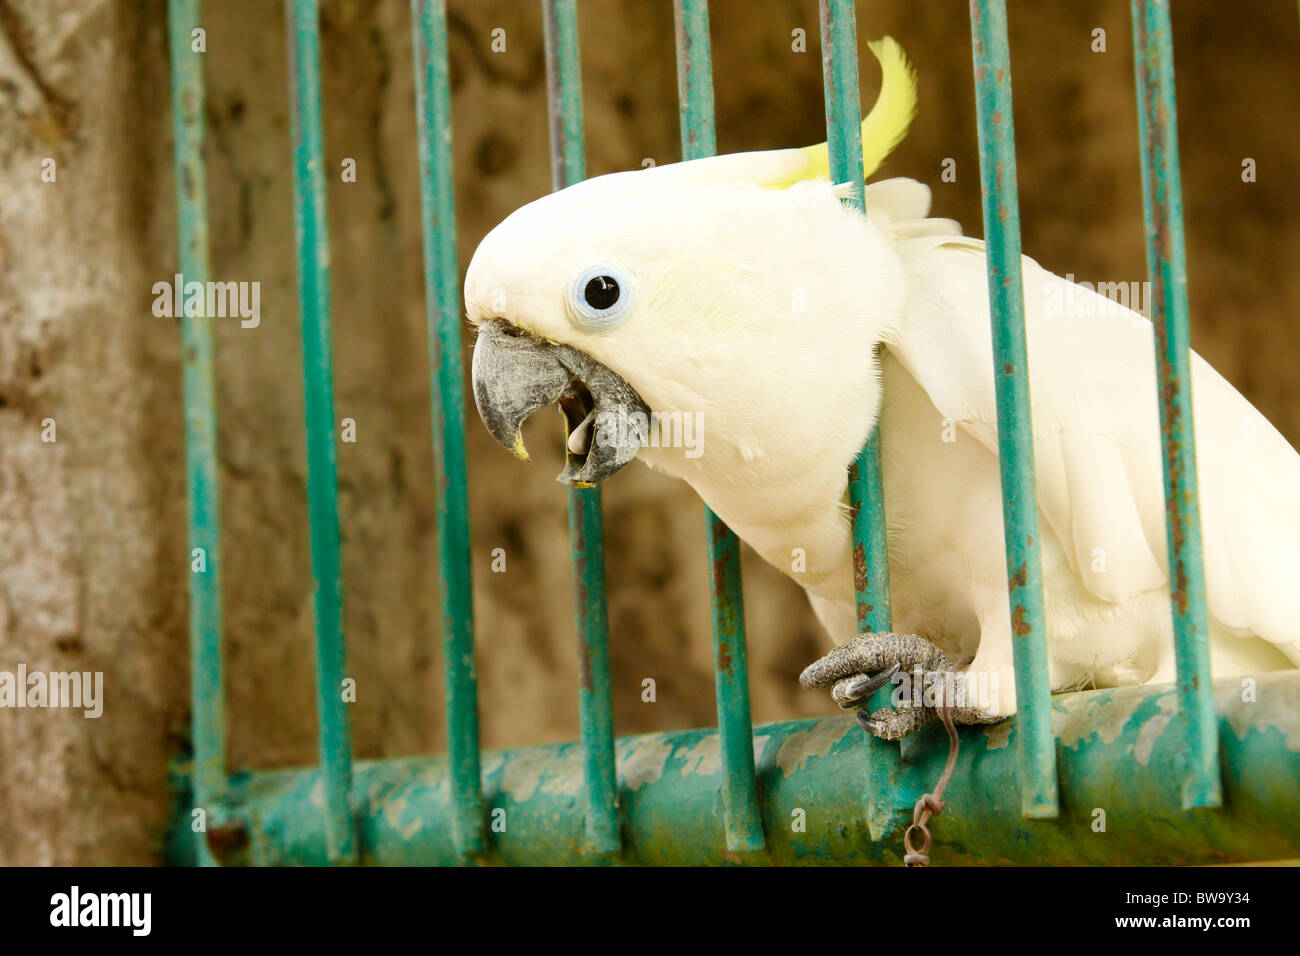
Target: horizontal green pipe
1118 750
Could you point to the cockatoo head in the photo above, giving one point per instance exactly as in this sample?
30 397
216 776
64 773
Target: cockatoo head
736 288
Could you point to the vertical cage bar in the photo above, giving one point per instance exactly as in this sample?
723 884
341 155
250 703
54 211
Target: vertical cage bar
564 93
840 83
1039 793
586 523
1162 205
839 32
744 825
312 240
443 320
208 728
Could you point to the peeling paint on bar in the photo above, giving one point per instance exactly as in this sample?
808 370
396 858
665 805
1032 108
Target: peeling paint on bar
1162 207
443 318
673 813
997 139
207 690
744 828
586 522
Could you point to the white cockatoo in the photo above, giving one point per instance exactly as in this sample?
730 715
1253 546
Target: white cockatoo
739 291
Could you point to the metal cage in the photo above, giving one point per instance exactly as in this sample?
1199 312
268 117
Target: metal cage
1186 774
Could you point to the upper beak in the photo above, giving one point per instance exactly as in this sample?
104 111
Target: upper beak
515 373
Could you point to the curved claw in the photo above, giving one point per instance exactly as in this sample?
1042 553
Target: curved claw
869 725
850 690
895 724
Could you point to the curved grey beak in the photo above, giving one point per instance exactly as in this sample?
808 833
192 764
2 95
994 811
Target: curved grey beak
515 373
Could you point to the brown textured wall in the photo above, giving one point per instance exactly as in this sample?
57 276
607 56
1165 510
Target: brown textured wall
93 566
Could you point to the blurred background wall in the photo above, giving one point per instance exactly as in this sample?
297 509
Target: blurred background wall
93 555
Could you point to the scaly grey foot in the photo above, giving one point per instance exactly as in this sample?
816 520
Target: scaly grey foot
924 674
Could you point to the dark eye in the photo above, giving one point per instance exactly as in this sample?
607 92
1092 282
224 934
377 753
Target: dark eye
601 292
601 296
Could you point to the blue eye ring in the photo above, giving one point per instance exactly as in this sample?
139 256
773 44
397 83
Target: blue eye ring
601 297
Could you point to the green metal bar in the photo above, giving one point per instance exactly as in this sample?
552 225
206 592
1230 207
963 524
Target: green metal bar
840 84
744 823
586 524
564 93
1162 205
208 721
744 827
1118 749
312 237
839 33
694 79
443 319
997 139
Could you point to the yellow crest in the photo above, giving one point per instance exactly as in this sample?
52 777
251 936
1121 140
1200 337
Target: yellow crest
884 127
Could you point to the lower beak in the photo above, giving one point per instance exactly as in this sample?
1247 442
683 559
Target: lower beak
515 374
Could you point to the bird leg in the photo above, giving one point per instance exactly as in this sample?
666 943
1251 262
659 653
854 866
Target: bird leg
923 675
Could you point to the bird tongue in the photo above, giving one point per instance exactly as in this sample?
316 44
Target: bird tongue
580 437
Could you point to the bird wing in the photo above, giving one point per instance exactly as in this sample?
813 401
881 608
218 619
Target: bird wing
1097 434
